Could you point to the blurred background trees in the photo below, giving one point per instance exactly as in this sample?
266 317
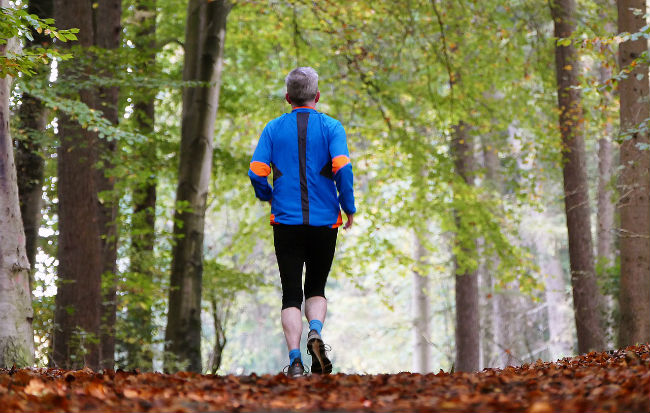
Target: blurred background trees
480 133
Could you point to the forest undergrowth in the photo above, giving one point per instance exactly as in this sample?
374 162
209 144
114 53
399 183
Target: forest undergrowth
615 381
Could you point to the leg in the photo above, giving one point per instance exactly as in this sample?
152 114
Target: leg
319 255
292 326
290 252
316 308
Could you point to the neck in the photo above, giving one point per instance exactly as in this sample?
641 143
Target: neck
310 104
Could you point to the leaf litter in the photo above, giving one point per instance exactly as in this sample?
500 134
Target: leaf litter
615 381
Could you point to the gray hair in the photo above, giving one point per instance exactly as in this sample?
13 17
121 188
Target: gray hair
302 85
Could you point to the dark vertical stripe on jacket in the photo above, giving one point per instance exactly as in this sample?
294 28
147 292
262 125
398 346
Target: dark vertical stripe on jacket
303 119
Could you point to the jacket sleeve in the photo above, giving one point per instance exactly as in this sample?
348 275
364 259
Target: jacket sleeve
260 167
342 168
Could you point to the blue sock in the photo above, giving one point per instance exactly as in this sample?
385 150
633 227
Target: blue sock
316 325
294 354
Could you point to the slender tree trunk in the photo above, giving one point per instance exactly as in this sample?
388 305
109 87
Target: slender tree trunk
468 345
493 325
29 159
204 43
605 217
605 246
139 353
499 324
78 299
220 339
586 296
107 36
421 312
16 335
634 181
557 305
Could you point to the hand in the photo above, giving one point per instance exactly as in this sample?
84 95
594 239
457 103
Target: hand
348 224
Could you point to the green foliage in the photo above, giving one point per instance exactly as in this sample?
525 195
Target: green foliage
399 77
17 22
88 118
80 340
224 283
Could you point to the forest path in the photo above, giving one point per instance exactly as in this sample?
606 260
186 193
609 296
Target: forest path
598 382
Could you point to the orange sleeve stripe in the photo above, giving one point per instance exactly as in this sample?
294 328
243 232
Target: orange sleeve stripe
260 168
339 162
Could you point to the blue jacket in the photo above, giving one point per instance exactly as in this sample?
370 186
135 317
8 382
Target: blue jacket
308 153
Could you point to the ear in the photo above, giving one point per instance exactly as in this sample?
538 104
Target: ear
317 96
286 96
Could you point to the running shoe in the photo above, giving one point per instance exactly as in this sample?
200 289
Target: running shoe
320 364
296 369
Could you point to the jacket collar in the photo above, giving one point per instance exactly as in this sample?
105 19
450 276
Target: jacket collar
303 108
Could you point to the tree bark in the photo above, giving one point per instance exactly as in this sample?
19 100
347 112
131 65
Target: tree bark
204 43
634 181
605 229
29 160
605 217
16 335
493 330
558 307
140 354
78 299
586 296
468 345
219 319
421 312
107 36
558 304
605 243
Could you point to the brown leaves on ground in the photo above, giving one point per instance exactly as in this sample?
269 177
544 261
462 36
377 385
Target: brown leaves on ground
597 382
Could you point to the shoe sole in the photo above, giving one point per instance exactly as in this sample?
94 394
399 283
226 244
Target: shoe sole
323 365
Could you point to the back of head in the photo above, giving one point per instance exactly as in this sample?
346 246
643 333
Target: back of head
302 85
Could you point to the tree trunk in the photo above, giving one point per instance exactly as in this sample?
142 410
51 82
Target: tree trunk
499 323
220 340
467 306
139 353
421 312
557 305
29 160
605 217
634 181
16 335
78 299
586 296
605 246
204 43
107 36
493 331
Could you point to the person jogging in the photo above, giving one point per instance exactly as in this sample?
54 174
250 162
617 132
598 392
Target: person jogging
308 154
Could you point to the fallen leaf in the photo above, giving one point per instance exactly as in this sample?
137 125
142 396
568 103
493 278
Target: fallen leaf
540 407
35 387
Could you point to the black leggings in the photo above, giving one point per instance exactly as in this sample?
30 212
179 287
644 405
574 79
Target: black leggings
298 245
